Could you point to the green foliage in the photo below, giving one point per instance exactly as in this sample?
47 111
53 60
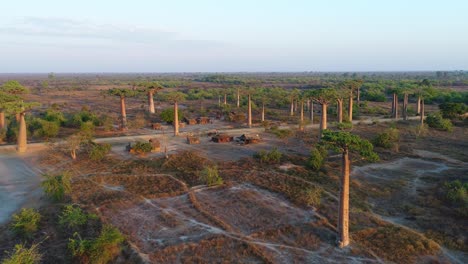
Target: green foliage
281 133
387 139
344 125
44 129
99 151
87 129
167 115
317 158
57 186
435 120
142 147
100 250
269 157
82 117
342 141
138 121
23 255
210 176
310 196
26 222
121 92
457 192
73 217
55 116
452 110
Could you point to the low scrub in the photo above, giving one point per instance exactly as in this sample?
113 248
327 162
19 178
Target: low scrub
317 158
436 121
24 255
456 193
73 217
388 139
142 147
210 176
99 151
26 222
57 186
344 126
281 133
269 157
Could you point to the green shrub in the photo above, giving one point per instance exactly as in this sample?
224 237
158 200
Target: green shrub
457 192
99 151
142 147
23 255
167 115
100 250
344 125
210 176
452 110
139 121
387 139
26 222
46 129
271 157
73 217
82 117
57 186
317 158
87 129
281 133
436 121
310 196
55 116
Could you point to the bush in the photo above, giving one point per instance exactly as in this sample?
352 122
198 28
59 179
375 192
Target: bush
317 158
26 222
387 139
82 117
210 176
23 255
73 217
271 157
99 151
142 147
167 115
46 129
436 121
100 250
55 116
87 129
456 192
310 196
57 186
139 121
344 125
281 133
453 110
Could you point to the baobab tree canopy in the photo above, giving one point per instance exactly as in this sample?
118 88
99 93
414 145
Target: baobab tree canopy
150 87
122 92
341 141
13 87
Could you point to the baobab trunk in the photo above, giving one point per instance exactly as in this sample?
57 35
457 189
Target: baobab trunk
150 103
292 108
238 98
225 99
263 112
22 136
323 120
340 110
418 105
311 112
359 97
350 107
219 100
422 112
73 154
250 112
295 105
395 103
123 114
176 119
343 217
2 120
301 127
405 107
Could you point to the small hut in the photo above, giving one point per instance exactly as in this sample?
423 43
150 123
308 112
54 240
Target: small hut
222 138
155 144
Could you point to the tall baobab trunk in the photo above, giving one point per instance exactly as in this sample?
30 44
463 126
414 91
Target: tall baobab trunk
225 99
307 105
323 120
22 136
2 120
295 105
311 112
292 108
422 112
219 100
176 119
350 107
238 98
395 103
418 105
358 96
343 217
405 106
123 114
301 127
263 112
250 112
150 103
340 110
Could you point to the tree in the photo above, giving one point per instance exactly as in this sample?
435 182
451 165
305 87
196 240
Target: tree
20 108
150 88
122 94
423 91
262 95
74 142
406 89
346 143
10 91
176 98
341 93
395 91
351 86
323 96
293 95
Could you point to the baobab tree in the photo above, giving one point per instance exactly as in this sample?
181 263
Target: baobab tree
423 85
395 91
122 94
341 93
423 91
406 89
20 108
176 98
10 91
293 95
346 143
324 97
262 95
351 86
150 88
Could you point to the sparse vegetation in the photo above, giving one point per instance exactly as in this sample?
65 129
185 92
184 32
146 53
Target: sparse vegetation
317 158
57 186
26 222
210 176
435 120
24 255
269 157
73 217
99 151
387 139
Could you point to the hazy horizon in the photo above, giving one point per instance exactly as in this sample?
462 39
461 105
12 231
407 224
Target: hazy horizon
233 37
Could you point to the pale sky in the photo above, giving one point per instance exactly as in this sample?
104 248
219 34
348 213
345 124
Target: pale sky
237 35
